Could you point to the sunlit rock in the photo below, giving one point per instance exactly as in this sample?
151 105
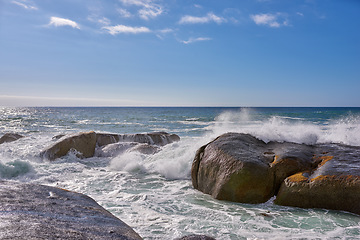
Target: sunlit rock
29 211
83 143
334 184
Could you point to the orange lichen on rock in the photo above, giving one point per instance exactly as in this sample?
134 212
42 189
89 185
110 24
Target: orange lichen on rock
321 160
298 177
339 178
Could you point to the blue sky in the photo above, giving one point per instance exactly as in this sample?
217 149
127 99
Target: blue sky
180 53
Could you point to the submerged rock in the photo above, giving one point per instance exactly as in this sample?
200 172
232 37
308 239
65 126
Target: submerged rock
29 211
240 168
83 143
10 137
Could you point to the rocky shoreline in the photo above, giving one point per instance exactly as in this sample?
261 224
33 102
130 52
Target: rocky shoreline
241 168
234 167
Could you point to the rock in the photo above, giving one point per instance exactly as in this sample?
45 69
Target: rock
145 149
290 158
238 167
233 167
29 211
103 139
83 143
57 137
10 137
155 138
334 184
195 237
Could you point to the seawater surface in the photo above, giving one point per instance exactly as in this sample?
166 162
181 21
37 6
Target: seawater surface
153 193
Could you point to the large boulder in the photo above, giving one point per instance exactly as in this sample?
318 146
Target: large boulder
238 167
233 167
10 137
241 168
107 144
334 184
29 211
83 143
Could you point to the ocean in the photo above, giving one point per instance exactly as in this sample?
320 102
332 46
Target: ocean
153 193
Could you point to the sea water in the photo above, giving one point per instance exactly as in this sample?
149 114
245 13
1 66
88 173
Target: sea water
153 193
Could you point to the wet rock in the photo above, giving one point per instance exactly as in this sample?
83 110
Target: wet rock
195 237
29 211
241 168
233 167
103 139
155 138
82 143
334 184
108 145
238 167
10 137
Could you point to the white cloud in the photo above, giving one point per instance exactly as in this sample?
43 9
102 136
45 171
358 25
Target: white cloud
271 20
25 4
113 30
149 9
163 32
124 13
199 39
59 22
96 19
210 17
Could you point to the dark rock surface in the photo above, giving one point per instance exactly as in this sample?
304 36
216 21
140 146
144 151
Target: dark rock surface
10 137
240 168
29 211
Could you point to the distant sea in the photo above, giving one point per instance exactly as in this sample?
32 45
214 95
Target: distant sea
153 193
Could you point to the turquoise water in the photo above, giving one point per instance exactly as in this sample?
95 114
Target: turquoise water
153 193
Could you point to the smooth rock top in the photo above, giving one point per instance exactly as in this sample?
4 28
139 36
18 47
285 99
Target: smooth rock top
10 137
29 211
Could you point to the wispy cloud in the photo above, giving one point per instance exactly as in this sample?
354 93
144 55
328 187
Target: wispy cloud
199 39
124 13
163 32
99 20
25 4
149 8
271 20
210 17
114 30
60 22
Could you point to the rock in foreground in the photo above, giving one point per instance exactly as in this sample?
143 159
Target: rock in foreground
240 168
29 211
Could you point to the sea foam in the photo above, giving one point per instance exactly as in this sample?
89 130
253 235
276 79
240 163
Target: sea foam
277 128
